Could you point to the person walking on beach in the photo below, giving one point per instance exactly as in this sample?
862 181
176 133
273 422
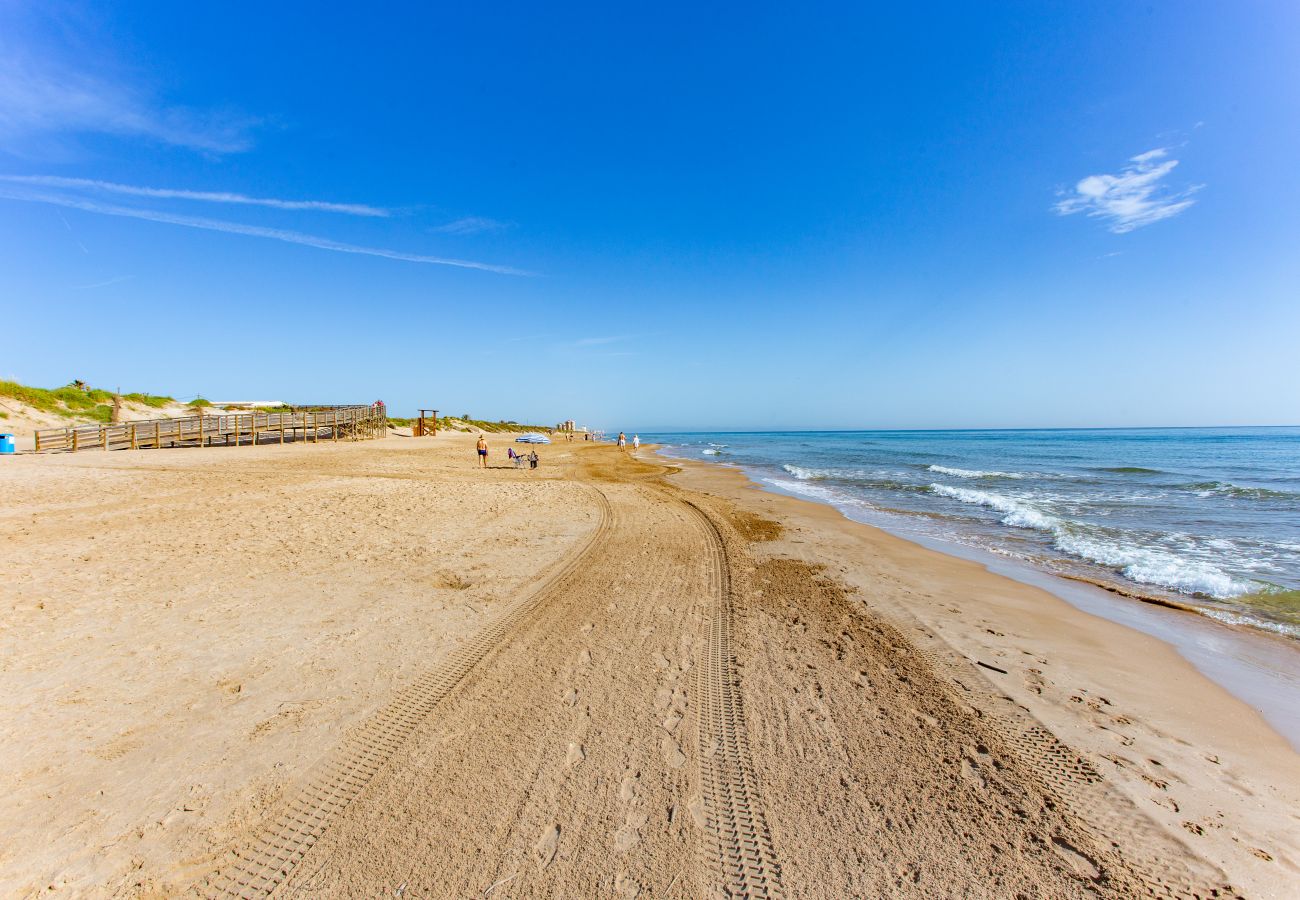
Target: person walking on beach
622 441
482 452
532 459
636 443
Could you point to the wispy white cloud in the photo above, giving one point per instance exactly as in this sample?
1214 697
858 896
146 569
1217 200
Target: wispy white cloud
1133 197
291 237
57 181
99 284
471 225
526 337
41 97
598 341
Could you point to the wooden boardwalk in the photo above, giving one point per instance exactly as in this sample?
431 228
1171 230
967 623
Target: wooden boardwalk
311 424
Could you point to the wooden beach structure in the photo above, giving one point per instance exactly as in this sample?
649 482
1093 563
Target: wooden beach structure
426 425
311 424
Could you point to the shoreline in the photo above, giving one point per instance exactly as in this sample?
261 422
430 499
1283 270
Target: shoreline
1198 525
1258 667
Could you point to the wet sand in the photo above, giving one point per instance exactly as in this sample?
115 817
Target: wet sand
361 669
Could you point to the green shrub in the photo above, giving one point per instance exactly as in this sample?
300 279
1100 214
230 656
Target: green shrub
152 400
38 398
71 401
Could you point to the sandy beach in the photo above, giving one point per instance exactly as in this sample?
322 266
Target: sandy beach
370 669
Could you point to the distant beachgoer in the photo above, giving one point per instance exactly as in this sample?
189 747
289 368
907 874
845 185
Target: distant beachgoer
622 440
532 459
636 442
482 452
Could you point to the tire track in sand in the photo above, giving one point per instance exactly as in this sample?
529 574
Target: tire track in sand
554 769
1159 862
257 869
739 856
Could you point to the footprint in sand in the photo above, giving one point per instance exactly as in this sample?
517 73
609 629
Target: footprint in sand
970 772
627 789
547 845
660 660
673 755
629 835
584 658
625 839
698 816
670 724
570 698
1081 865
575 755
626 886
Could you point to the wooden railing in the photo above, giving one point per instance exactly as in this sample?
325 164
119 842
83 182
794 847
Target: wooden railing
312 424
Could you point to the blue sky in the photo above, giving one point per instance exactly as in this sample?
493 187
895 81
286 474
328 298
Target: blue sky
953 215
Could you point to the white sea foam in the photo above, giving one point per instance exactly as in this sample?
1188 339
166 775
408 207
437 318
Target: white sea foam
973 473
1233 618
1147 565
878 477
1015 512
825 494
710 451
804 474
1144 565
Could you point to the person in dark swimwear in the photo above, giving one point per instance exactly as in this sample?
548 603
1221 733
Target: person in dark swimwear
482 452
532 459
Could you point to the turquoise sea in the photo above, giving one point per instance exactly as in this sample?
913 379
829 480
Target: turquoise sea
1207 517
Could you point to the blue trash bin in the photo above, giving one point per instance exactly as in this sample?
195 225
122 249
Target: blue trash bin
6 442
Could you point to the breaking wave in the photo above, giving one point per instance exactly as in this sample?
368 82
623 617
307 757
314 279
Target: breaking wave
878 479
1144 565
973 473
1228 489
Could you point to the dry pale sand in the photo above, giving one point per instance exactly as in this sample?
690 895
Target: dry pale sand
364 670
